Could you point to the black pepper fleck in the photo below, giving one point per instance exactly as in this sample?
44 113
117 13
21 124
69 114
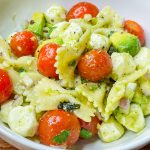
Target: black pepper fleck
32 22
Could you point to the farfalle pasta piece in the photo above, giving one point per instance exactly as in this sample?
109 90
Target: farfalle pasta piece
27 63
67 59
16 79
47 95
85 112
116 93
66 63
133 76
108 18
118 90
107 31
23 81
94 93
58 29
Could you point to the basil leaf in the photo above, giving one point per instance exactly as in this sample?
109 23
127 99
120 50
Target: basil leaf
67 106
111 33
93 87
72 63
62 137
111 50
83 80
85 134
21 70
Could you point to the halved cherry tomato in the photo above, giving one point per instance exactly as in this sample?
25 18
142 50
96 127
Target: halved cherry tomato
24 43
47 59
136 29
90 126
6 87
95 65
59 128
82 8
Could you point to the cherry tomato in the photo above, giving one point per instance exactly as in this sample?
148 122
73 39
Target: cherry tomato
134 28
55 123
82 8
90 126
24 43
46 60
6 87
95 65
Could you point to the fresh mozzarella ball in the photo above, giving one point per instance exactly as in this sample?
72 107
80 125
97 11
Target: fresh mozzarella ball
22 120
55 14
123 64
110 131
98 41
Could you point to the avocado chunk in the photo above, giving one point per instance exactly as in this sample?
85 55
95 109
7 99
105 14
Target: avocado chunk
55 14
125 42
37 23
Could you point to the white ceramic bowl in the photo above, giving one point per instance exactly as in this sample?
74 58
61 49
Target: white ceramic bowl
13 13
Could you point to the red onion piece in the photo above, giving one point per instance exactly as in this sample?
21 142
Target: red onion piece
124 103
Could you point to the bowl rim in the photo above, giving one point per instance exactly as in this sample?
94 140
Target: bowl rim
6 132
8 135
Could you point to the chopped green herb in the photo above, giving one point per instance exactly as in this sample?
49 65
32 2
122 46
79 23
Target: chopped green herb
83 80
72 63
93 87
21 70
110 34
111 50
85 134
62 137
102 16
93 21
67 106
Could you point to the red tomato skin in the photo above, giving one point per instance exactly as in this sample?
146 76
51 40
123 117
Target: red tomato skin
95 65
6 86
47 59
90 126
82 8
52 123
23 43
136 29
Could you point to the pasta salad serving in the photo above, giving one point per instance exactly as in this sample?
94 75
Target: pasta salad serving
77 74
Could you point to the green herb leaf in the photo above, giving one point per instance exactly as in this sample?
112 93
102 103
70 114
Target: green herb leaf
85 134
21 70
67 106
83 80
62 137
94 21
110 34
111 50
72 63
93 87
